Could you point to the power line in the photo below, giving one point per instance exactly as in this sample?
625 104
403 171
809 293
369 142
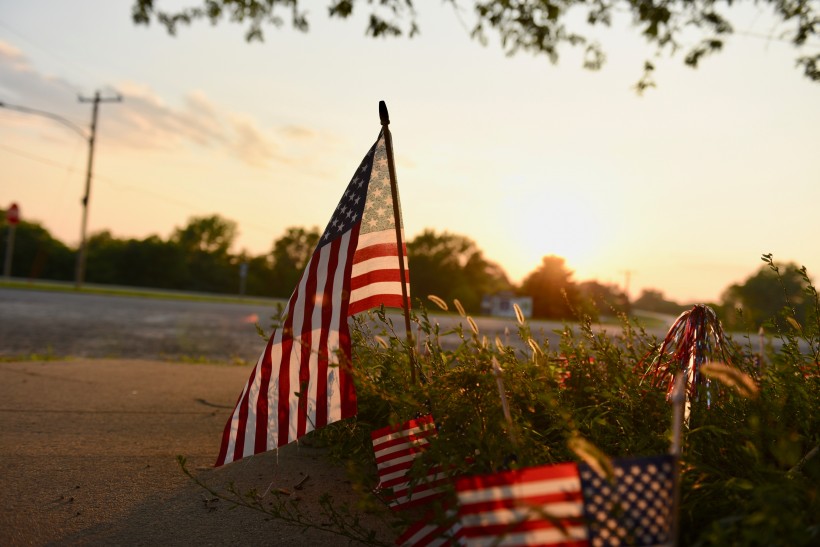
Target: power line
57 118
126 186
35 157
59 58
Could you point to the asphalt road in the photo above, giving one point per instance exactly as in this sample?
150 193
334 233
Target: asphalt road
63 324
107 326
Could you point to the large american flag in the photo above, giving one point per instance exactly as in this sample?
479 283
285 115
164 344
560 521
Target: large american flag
570 504
301 382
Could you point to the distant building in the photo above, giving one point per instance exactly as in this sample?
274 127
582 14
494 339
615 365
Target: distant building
501 304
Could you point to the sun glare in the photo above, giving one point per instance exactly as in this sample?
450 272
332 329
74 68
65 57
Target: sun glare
565 223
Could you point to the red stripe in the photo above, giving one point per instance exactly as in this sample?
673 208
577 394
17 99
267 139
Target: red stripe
442 534
407 439
404 466
544 472
261 440
419 488
408 425
283 410
378 250
376 276
239 442
412 531
226 436
433 534
389 300
324 353
415 503
306 343
346 387
431 473
404 479
412 449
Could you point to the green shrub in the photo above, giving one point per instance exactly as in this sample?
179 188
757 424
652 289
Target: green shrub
750 469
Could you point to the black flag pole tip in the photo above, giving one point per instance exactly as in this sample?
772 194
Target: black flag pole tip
383 115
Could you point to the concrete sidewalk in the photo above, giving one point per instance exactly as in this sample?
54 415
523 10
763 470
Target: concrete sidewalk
88 456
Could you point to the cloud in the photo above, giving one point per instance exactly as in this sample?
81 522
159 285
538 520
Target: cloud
13 56
298 132
144 120
21 85
250 145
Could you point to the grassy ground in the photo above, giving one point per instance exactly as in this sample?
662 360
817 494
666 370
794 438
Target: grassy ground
137 292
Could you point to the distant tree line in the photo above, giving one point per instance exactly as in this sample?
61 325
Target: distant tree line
198 257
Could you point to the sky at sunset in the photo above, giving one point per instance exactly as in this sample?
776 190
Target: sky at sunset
684 187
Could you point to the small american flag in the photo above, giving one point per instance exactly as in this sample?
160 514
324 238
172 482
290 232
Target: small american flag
300 382
571 505
396 448
428 533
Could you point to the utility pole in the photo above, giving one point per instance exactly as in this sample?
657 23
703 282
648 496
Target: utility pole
79 276
627 278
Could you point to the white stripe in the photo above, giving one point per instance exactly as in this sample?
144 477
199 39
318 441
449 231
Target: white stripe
523 513
334 396
402 433
397 461
273 390
520 490
429 483
432 484
532 537
253 395
398 473
418 494
391 287
415 443
429 529
378 238
235 426
430 536
315 335
421 534
376 263
384 477
294 360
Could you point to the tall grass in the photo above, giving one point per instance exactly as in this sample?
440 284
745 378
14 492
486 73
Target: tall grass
750 464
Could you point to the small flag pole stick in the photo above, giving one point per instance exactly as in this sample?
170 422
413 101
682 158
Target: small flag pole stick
391 166
676 448
504 404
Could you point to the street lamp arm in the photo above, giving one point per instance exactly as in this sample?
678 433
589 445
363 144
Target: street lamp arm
68 123
89 137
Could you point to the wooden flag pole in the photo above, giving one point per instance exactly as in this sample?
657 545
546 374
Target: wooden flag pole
679 397
391 166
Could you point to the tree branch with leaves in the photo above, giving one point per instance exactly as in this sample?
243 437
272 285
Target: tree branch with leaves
693 28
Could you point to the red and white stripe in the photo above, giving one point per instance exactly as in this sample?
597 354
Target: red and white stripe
426 533
376 277
396 449
301 357
533 506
